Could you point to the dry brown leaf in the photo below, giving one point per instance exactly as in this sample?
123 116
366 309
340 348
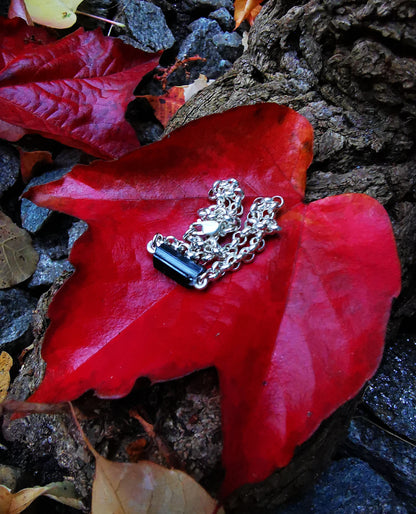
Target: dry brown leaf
146 488
18 259
29 161
246 10
6 362
13 503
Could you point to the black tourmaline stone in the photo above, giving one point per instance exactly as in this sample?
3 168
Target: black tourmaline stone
172 263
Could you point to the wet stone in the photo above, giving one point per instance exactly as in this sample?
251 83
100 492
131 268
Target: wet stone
389 456
147 25
201 42
16 308
223 18
229 45
34 217
76 231
9 167
191 5
391 393
349 485
48 271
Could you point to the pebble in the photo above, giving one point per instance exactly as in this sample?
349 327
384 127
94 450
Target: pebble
191 5
201 42
391 393
76 231
348 486
223 18
229 45
48 271
9 167
16 308
34 217
393 458
147 25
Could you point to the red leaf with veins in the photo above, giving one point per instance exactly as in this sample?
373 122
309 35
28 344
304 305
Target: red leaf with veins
293 335
74 90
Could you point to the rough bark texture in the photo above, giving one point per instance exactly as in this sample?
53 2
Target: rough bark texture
348 67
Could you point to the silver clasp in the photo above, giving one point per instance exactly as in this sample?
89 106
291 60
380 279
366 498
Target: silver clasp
203 228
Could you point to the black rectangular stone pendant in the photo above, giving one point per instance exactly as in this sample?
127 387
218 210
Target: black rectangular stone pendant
175 265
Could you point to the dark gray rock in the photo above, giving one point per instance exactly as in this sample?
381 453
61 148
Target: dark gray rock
201 42
229 45
391 393
9 167
48 271
389 456
223 18
76 231
348 486
16 308
33 217
207 5
147 26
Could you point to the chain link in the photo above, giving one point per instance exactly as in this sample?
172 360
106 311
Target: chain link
201 240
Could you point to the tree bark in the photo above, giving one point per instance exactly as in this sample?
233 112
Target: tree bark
348 68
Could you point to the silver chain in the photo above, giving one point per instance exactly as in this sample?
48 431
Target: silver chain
201 241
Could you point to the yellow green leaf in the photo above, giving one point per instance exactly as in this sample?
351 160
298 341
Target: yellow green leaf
59 14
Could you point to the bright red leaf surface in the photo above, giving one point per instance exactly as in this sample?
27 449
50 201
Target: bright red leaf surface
74 90
293 335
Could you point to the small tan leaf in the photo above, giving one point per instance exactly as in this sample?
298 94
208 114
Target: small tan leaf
6 362
59 14
63 492
146 488
18 259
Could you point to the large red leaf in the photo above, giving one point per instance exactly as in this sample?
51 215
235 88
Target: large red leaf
293 335
74 90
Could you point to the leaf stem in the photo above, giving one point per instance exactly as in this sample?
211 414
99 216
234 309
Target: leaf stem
112 22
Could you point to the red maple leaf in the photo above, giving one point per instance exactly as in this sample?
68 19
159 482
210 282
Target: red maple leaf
293 335
74 90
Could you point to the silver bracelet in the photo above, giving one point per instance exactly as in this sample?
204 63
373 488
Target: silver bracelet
186 260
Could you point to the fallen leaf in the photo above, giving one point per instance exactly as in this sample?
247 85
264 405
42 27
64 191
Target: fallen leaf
16 38
165 106
246 10
6 362
74 90
17 9
146 488
293 335
18 259
30 160
62 492
59 14
10 132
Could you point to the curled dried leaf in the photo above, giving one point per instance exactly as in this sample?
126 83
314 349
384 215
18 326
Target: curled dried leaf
6 362
18 259
62 492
